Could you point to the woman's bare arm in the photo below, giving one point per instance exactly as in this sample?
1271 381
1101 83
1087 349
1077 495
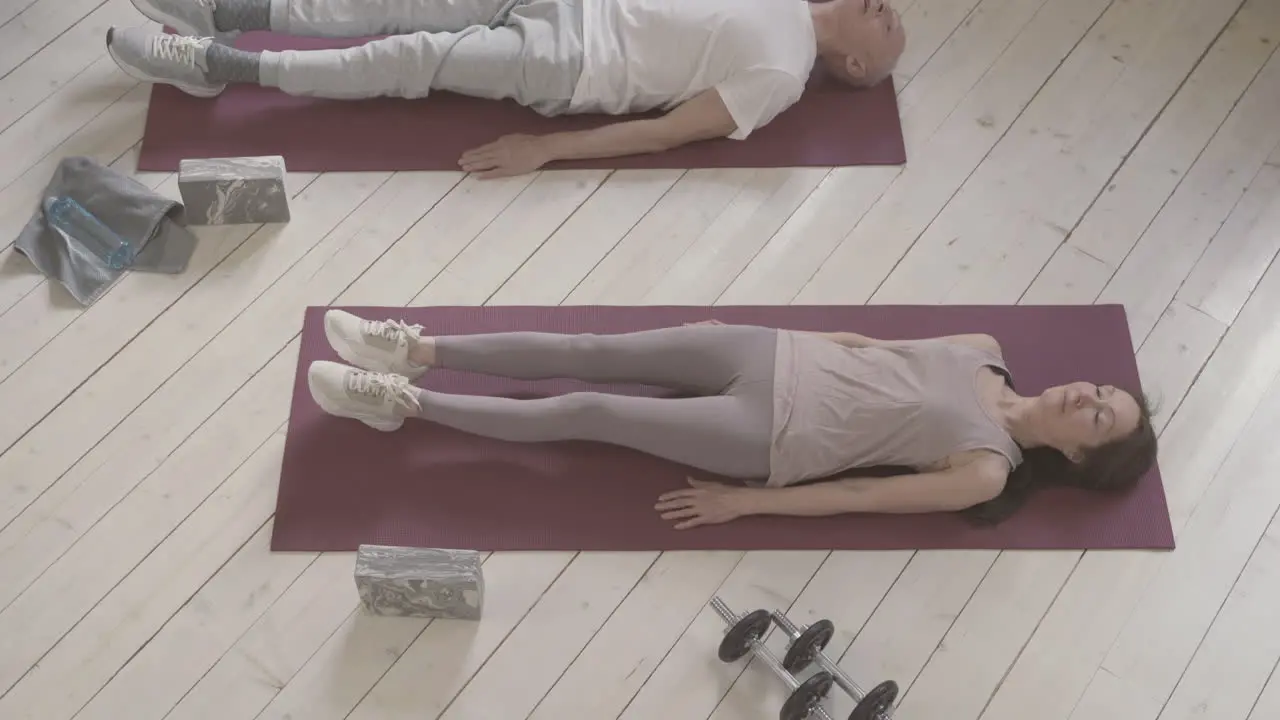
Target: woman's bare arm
855 340
943 491
850 339
957 488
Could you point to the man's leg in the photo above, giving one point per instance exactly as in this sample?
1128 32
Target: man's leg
398 66
727 434
361 18
402 66
532 54
534 58
225 19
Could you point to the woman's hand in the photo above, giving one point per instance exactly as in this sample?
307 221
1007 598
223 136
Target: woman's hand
705 503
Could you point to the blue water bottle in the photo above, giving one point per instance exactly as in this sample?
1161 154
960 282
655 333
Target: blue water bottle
73 219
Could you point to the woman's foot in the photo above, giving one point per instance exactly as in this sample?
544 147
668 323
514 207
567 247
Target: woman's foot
386 346
380 400
189 17
158 57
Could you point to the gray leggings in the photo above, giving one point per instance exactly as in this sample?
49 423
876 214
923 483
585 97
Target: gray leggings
726 429
529 51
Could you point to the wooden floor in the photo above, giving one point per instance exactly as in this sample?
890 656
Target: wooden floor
1061 151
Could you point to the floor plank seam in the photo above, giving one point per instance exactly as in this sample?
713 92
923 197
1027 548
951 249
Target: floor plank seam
54 39
968 176
1216 614
74 625
116 353
480 668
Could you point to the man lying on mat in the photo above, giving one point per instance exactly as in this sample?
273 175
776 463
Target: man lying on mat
772 407
720 68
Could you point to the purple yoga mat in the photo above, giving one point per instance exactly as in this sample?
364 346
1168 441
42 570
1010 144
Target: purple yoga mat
343 484
832 125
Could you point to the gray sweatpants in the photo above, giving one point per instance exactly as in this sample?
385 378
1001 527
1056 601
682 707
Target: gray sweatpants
725 429
529 51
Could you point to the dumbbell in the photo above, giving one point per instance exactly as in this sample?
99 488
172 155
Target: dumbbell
806 647
742 637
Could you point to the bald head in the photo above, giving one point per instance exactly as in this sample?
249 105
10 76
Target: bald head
859 41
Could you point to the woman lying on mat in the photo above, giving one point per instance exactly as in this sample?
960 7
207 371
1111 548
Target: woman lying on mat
773 406
715 68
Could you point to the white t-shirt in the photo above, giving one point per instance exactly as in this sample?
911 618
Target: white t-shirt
646 54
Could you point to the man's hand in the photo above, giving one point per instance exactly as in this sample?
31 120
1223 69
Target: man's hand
508 155
706 503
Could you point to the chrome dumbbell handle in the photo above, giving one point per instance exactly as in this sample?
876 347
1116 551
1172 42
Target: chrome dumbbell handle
765 655
840 677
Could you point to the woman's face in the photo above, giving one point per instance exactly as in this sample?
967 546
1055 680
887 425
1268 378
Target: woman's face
1079 416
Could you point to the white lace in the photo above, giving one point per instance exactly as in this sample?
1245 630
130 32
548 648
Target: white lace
174 48
393 330
382 386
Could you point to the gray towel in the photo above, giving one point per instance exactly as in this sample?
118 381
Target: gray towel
145 219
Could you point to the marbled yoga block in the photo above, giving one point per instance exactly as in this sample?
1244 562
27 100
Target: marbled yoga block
420 582
233 191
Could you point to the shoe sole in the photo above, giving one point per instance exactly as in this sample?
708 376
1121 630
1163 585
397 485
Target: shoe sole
136 74
320 399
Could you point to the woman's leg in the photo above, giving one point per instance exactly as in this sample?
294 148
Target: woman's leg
705 359
726 435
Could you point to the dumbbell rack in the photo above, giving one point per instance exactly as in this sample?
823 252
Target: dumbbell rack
744 636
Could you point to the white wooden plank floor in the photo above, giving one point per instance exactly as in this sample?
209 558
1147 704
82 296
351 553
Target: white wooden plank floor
1061 151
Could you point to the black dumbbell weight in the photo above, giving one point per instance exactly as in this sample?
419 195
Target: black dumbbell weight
805 649
805 699
876 702
744 635
737 641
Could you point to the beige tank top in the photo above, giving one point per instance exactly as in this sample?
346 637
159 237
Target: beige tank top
911 403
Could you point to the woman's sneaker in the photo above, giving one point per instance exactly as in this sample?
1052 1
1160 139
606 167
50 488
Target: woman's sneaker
378 345
157 57
188 17
380 400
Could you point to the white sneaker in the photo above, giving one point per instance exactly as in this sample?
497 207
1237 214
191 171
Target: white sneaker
380 400
157 57
188 17
378 345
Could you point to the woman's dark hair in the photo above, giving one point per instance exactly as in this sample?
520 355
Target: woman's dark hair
1114 467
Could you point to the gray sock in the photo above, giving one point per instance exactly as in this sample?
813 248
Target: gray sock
245 15
229 65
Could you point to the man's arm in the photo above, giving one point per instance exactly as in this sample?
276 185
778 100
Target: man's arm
701 117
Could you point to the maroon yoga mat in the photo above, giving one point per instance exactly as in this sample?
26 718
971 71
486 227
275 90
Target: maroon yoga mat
831 125
344 484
